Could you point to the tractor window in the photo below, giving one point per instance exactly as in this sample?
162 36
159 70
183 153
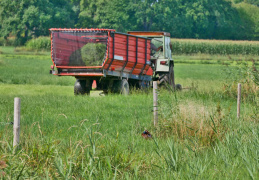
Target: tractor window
167 47
157 47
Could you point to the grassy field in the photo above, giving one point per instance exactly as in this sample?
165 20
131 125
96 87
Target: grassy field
99 137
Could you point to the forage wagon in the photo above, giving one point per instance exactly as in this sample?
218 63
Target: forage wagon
116 61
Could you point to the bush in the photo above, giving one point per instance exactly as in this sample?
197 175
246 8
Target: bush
2 42
9 42
248 76
40 43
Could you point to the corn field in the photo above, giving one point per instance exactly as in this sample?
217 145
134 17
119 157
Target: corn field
220 47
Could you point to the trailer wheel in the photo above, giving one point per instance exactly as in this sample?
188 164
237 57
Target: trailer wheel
124 87
82 87
120 86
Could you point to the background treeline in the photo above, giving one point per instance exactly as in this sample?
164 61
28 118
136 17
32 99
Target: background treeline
203 19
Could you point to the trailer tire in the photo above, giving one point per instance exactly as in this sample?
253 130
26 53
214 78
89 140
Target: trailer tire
81 87
120 86
124 87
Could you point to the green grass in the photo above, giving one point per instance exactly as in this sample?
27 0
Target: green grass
99 137
17 68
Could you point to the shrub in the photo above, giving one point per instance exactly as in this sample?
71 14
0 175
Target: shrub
248 76
2 41
40 43
9 42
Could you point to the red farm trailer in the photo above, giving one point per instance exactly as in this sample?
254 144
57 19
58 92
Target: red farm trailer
115 60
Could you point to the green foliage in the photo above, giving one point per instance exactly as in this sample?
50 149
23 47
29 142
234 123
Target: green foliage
40 43
27 19
192 46
207 19
248 76
202 19
7 42
250 16
253 2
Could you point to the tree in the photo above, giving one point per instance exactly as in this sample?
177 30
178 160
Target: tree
253 2
25 18
90 12
250 16
213 19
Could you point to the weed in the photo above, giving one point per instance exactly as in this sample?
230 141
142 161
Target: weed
204 124
247 76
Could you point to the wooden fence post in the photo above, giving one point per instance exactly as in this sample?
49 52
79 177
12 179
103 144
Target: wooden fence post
155 108
238 99
16 123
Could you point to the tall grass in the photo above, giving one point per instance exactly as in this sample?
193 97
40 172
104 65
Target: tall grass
220 47
68 137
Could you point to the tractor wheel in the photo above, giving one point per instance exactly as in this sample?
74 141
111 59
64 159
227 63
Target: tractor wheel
162 79
171 76
167 78
178 87
82 87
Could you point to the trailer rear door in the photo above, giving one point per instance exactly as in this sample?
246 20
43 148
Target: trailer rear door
78 48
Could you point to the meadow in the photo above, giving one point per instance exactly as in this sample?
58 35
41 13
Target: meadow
99 137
